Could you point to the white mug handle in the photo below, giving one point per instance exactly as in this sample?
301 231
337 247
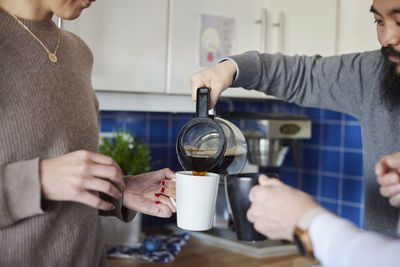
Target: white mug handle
173 201
171 198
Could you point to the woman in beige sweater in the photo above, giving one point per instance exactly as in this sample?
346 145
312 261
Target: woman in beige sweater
53 183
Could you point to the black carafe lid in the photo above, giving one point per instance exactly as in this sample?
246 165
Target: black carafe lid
201 133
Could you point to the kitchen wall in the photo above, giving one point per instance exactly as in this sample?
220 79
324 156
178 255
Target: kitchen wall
331 168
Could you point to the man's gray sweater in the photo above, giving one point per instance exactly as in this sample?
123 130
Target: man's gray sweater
348 83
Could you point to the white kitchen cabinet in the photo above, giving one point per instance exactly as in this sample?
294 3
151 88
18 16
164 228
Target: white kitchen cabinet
129 42
357 32
152 46
184 36
287 26
308 26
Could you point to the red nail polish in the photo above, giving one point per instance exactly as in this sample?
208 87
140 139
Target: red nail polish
162 190
163 182
112 207
157 195
157 202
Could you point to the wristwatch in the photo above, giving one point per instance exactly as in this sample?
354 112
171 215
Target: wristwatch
303 242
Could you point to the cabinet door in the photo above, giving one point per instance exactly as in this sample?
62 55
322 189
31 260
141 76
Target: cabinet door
129 42
184 37
287 26
305 27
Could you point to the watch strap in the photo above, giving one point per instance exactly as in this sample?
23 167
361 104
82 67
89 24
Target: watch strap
303 242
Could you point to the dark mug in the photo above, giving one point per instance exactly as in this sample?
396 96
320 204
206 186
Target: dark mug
237 189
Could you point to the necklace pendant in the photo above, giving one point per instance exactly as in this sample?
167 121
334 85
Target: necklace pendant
52 57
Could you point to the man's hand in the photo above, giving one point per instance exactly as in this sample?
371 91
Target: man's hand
277 208
72 177
217 78
387 173
150 193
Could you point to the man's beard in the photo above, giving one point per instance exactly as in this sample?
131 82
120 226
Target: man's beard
390 90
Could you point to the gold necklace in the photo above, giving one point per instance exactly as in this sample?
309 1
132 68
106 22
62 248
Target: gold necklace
52 56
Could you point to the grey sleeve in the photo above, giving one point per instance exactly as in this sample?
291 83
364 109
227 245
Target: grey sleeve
341 83
121 212
20 191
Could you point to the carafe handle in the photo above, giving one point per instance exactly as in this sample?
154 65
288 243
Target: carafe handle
202 102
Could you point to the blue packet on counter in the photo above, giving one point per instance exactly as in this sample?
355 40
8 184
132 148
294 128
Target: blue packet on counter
157 248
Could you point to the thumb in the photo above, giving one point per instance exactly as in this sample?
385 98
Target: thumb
265 180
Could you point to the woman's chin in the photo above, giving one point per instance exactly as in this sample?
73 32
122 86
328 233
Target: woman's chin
70 15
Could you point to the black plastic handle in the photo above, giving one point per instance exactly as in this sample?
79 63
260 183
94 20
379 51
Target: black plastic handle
202 102
295 145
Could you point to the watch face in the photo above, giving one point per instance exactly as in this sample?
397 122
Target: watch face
299 244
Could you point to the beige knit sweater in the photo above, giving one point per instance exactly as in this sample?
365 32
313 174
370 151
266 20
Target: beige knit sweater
46 110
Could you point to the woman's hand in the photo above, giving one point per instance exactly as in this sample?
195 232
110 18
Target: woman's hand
72 177
388 177
150 193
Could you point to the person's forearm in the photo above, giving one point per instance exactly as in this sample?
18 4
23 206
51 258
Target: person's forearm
332 82
339 243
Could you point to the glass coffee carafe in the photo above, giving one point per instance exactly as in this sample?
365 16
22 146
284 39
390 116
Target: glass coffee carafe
210 144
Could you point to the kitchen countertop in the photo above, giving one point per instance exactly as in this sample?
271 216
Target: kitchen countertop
198 254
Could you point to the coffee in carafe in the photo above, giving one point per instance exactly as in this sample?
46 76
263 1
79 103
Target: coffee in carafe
230 163
210 144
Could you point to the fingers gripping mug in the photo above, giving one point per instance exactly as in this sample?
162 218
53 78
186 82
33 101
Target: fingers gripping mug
195 200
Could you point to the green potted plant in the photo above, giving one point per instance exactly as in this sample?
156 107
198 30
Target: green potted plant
134 157
130 153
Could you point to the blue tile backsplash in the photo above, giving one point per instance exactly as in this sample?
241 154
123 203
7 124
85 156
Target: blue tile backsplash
331 169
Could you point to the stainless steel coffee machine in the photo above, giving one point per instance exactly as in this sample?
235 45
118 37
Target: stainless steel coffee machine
269 138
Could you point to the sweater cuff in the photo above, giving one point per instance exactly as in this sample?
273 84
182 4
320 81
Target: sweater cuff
247 64
121 212
22 189
236 65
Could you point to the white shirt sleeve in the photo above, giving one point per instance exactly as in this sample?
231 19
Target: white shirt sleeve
339 243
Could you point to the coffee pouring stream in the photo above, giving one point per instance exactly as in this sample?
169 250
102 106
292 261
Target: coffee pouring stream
208 143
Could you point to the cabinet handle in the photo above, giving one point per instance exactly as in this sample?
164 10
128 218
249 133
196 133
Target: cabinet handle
280 25
275 32
263 31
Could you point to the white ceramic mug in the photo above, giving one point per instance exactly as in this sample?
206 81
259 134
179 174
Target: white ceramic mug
195 200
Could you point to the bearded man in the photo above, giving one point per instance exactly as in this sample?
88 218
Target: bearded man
364 85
